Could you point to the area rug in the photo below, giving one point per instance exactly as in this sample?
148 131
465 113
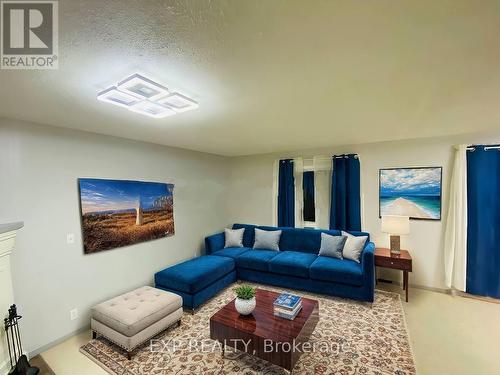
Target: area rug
350 338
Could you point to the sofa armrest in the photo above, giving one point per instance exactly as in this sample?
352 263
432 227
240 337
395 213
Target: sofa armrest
214 242
368 261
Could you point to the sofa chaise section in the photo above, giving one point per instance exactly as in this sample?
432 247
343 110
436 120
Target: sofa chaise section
198 279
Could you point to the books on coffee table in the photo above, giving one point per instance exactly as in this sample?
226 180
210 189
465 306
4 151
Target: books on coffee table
287 301
287 306
288 314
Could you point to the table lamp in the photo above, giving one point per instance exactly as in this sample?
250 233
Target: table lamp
396 226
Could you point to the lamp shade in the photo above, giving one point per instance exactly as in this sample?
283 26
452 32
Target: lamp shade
396 224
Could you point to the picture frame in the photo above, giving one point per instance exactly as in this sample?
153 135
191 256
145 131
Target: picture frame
415 192
117 213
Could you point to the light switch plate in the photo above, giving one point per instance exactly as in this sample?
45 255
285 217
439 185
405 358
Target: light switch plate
70 238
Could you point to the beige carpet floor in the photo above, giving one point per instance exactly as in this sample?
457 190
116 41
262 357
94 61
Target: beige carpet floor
350 338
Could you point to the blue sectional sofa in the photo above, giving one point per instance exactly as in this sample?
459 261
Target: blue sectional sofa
296 266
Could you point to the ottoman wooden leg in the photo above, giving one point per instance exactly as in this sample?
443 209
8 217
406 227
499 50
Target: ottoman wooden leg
129 355
94 335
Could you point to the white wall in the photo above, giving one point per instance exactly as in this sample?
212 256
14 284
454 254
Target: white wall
39 167
250 198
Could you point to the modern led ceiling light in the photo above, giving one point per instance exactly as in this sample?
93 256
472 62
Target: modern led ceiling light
114 96
152 109
179 103
143 95
142 87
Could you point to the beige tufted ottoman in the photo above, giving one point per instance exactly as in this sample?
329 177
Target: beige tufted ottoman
133 318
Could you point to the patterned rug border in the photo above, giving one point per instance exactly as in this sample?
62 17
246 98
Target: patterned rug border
124 371
405 322
406 326
95 360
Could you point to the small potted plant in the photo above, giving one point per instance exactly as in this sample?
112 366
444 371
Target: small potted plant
245 299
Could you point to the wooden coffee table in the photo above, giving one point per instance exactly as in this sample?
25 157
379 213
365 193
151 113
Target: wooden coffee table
264 335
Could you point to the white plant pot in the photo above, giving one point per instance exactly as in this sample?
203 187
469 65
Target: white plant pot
245 306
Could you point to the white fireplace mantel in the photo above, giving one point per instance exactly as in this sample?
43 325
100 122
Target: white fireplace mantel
8 236
7 241
8 227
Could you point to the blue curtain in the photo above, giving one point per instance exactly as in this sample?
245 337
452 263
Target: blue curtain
308 191
286 194
345 205
483 222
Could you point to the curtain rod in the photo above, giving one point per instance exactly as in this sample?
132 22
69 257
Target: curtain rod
317 158
486 148
323 158
345 156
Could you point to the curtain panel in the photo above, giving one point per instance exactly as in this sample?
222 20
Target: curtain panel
322 166
483 221
345 203
455 238
286 194
298 170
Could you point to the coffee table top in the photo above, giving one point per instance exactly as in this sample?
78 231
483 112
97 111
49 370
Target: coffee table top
262 322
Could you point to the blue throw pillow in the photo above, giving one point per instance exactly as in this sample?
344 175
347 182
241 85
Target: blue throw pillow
331 246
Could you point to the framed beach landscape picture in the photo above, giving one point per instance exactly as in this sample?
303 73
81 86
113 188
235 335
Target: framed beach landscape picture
412 192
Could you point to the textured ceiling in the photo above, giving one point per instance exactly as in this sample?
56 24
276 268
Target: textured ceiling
273 75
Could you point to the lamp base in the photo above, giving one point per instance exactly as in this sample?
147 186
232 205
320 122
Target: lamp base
395 245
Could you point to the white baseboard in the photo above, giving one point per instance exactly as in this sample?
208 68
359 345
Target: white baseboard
45 347
417 286
452 292
430 288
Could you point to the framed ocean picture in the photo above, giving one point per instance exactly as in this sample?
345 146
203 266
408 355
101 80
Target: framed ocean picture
413 192
116 213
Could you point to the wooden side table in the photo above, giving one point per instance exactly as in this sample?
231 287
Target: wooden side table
403 262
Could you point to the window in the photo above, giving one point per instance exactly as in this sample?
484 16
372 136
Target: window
313 178
309 210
